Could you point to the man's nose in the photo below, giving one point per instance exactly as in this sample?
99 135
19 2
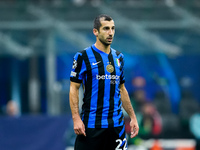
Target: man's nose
111 32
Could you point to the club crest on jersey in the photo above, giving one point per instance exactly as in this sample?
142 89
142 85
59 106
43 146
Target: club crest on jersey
74 64
110 68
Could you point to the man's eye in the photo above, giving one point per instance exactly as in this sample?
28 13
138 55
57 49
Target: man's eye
106 28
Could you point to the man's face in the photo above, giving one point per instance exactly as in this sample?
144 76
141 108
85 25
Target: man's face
106 32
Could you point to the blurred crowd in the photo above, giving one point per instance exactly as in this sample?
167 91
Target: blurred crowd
10 109
156 118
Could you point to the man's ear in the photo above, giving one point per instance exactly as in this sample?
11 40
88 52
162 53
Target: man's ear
95 32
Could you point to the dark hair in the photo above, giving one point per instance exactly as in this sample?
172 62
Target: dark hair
97 23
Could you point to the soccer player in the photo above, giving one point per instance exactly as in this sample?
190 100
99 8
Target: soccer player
100 70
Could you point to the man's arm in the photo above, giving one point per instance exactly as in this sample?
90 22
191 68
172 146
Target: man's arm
79 127
126 103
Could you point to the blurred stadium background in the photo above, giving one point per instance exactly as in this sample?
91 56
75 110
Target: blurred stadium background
161 43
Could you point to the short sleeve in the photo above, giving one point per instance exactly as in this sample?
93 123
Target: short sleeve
122 77
78 69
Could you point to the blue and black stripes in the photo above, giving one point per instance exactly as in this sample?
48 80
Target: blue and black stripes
101 75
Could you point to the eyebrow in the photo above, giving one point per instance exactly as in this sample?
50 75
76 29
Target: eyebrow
108 27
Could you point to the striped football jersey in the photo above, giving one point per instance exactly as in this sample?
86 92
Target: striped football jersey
101 75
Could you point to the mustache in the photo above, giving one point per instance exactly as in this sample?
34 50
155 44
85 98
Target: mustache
110 36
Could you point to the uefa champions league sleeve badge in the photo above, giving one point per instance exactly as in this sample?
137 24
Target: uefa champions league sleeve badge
74 64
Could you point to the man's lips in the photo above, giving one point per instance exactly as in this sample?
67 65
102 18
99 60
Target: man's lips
109 39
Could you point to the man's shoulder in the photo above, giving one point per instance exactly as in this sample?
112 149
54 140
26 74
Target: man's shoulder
117 52
81 52
84 50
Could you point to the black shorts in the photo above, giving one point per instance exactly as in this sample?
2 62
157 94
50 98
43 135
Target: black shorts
102 139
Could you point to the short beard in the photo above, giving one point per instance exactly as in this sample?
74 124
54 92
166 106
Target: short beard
104 43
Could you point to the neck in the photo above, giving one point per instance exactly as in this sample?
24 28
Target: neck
102 47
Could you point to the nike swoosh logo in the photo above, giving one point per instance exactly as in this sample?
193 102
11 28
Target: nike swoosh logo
96 63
